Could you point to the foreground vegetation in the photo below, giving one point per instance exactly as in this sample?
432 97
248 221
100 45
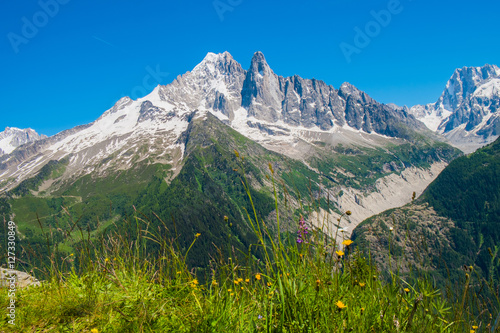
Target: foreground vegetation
286 282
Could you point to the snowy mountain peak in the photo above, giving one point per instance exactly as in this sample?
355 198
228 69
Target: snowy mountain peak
463 83
13 137
212 63
468 111
258 103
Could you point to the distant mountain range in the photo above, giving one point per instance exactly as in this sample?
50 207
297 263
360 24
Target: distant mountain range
172 153
468 111
12 137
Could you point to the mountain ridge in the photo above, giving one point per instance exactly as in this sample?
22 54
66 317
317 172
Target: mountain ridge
342 140
467 112
13 137
246 100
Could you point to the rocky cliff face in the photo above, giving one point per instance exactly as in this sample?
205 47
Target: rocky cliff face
312 103
284 114
467 113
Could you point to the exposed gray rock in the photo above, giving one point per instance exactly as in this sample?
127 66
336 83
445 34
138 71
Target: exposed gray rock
261 94
22 279
467 113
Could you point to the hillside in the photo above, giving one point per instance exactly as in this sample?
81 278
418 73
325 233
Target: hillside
455 222
172 153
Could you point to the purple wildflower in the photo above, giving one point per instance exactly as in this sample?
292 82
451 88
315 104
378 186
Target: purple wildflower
303 231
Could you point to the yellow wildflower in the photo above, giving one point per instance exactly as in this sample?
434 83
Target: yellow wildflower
475 327
340 305
362 284
347 242
197 235
94 330
340 253
247 280
229 290
195 282
236 282
407 290
257 276
269 284
71 255
214 283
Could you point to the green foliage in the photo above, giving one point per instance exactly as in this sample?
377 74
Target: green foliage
361 167
5 209
51 170
468 192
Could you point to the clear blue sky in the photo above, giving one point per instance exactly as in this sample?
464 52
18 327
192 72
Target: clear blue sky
86 55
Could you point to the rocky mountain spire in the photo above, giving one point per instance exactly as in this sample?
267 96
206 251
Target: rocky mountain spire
261 94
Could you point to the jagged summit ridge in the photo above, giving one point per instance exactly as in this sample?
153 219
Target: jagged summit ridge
258 103
463 83
467 112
